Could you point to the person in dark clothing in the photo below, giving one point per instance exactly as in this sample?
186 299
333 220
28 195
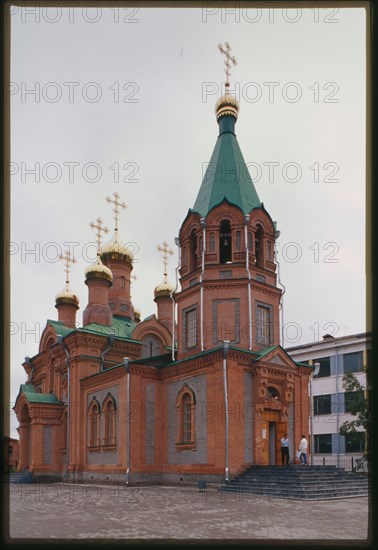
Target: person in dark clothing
285 450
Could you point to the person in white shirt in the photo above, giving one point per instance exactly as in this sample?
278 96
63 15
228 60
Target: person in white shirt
285 450
303 450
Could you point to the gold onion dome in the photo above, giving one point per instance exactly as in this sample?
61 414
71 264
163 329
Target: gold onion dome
164 289
66 296
98 271
137 314
116 250
227 105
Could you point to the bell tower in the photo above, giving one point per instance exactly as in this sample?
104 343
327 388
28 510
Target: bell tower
228 271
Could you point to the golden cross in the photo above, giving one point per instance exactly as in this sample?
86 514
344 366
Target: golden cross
117 205
165 250
227 52
99 228
68 260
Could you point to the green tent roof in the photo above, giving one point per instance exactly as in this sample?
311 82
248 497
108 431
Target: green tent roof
33 396
227 176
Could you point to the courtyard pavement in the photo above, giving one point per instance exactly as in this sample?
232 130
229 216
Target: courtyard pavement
104 512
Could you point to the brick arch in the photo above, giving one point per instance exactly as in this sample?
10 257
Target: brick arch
193 221
107 398
185 389
225 211
154 327
48 337
260 217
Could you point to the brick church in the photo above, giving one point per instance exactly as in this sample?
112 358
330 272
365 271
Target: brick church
202 388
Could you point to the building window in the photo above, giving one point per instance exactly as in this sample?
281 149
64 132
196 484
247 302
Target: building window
225 245
191 328
263 325
122 283
323 444
354 401
109 411
325 367
212 242
185 404
355 442
269 250
238 240
187 418
94 424
183 255
250 241
200 240
322 404
353 362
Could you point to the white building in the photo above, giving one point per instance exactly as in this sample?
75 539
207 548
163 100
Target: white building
329 403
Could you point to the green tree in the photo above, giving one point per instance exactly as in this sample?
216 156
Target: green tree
357 398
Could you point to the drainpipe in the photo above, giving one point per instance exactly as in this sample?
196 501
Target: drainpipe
276 235
226 347
203 223
315 372
246 220
177 243
30 377
111 339
126 362
59 340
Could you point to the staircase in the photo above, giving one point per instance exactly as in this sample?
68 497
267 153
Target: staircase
299 482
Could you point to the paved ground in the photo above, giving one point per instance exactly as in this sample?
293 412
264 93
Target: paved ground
65 511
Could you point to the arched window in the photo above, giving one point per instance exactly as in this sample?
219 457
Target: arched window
109 411
185 403
187 419
64 430
193 250
259 250
122 282
225 242
94 424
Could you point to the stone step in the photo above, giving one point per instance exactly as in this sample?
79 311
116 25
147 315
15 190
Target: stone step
299 482
297 493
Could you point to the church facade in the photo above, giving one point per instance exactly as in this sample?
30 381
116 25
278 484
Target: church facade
203 388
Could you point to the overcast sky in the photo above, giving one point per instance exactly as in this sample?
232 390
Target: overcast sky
124 101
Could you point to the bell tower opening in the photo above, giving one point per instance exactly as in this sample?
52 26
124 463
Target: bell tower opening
193 251
259 246
225 245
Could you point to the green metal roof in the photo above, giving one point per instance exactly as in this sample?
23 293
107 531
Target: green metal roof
33 396
262 353
60 328
227 176
121 327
